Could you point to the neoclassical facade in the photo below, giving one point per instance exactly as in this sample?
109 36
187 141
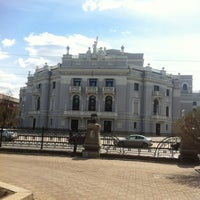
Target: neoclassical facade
126 96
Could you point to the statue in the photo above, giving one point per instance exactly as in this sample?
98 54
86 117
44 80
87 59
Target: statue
95 46
67 50
88 54
101 54
122 49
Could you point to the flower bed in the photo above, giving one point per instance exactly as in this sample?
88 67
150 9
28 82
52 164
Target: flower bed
4 192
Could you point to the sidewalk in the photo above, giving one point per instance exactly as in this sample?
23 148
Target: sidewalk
63 178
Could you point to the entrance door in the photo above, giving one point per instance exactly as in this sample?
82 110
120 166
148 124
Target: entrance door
107 126
74 124
157 129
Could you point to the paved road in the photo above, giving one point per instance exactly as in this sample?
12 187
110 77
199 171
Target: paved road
63 178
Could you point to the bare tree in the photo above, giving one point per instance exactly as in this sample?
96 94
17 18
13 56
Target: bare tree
188 128
8 112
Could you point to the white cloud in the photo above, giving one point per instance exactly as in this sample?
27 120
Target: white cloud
157 8
31 63
49 48
10 84
3 55
8 42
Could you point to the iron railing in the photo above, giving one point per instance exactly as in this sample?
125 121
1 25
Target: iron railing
59 140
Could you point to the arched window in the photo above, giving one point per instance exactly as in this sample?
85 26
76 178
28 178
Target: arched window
155 106
76 102
185 87
92 103
108 104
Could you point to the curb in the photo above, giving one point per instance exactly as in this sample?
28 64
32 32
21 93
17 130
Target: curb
19 193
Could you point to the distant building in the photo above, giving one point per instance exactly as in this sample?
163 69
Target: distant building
8 111
127 97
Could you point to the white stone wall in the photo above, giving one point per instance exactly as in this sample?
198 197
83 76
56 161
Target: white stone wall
132 110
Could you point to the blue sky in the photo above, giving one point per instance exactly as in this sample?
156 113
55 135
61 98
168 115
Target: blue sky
34 32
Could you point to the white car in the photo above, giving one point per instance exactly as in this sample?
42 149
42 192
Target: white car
8 135
134 141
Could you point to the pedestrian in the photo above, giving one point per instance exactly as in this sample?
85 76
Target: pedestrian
75 138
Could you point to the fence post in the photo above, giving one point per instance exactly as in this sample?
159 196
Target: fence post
1 136
42 139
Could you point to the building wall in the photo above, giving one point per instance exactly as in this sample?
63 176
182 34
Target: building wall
144 100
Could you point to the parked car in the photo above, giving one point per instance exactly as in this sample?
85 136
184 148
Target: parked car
9 135
134 141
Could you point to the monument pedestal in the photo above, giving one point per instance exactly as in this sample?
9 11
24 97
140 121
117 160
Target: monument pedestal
188 153
92 141
90 154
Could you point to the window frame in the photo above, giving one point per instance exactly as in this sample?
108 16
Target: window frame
136 86
109 83
93 82
92 103
76 81
76 102
108 104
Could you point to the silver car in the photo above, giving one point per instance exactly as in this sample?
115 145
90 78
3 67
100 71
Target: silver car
134 141
8 135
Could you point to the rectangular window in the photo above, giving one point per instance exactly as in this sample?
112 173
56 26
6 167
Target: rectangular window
54 85
109 82
167 92
74 125
38 103
167 111
93 82
136 86
107 126
194 103
52 103
136 108
166 127
135 125
156 88
76 82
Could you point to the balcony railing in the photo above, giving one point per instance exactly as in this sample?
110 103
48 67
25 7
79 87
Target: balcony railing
108 90
36 91
77 113
75 89
158 93
158 117
91 90
34 112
